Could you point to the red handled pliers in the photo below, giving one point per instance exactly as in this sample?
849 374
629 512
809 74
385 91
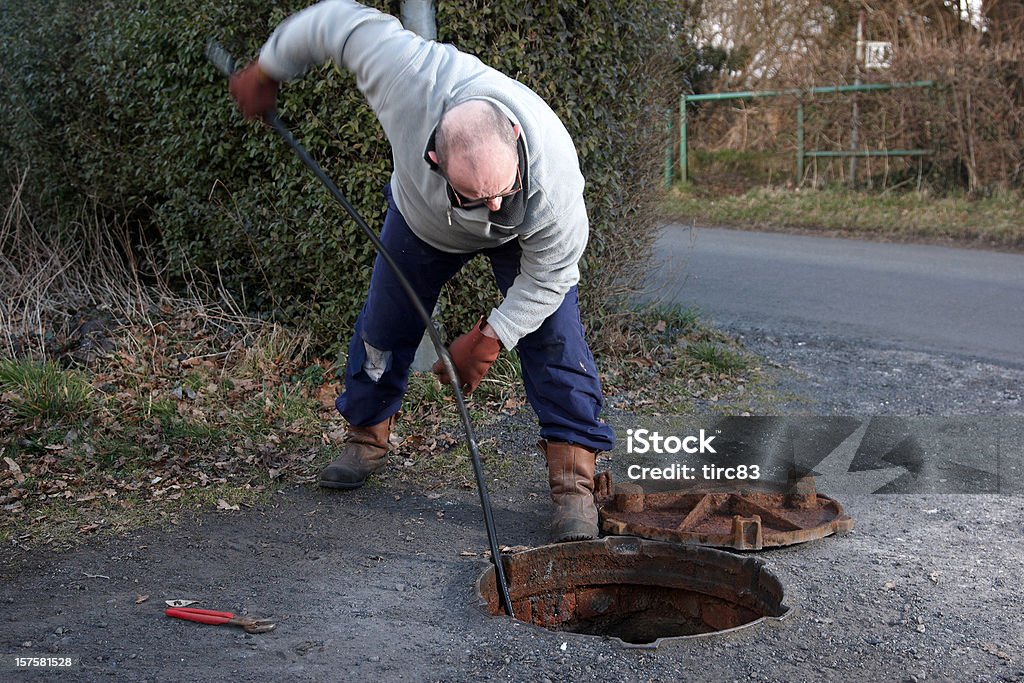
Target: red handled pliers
208 616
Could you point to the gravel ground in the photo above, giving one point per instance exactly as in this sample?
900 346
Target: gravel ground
830 375
375 584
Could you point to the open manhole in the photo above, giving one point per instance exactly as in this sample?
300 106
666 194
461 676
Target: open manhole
744 518
635 590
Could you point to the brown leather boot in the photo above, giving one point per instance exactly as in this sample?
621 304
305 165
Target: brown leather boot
366 449
571 476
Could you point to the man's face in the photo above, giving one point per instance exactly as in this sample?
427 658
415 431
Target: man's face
485 176
484 185
484 180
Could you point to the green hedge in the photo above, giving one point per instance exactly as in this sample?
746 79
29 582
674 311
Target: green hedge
115 102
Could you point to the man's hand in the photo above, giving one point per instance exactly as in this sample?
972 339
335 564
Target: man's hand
254 90
472 354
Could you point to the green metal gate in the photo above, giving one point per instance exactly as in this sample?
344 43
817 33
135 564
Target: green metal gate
801 153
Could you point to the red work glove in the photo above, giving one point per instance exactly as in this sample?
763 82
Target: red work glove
472 355
254 90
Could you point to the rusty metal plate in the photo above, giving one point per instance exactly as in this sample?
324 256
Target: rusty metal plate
747 518
636 591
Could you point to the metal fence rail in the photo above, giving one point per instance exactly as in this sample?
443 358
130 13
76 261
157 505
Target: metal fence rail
801 153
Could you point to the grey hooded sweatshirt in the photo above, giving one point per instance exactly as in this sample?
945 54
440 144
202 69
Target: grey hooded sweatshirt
409 82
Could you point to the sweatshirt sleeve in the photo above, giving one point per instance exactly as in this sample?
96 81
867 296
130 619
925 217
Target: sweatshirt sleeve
549 267
372 45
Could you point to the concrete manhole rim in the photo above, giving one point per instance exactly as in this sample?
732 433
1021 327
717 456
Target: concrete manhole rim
755 567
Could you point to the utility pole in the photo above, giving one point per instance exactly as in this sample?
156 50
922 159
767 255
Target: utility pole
419 16
855 130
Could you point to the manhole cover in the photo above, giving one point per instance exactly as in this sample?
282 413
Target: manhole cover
747 518
635 590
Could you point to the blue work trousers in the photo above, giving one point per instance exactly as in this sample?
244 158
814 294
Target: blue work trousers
559 374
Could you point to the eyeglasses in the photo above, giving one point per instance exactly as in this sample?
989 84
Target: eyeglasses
465 203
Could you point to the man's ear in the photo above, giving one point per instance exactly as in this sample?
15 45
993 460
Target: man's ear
433 156
517 129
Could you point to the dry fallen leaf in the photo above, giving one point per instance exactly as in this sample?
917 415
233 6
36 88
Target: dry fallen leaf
141 599
15 470
224 505
326 395
513 403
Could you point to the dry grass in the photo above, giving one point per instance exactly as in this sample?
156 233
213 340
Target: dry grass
121 396
45 276
991 222
68 288
272 348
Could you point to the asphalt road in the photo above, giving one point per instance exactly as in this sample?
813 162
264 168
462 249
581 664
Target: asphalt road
958 302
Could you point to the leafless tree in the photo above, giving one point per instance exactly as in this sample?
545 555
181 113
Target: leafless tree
767 36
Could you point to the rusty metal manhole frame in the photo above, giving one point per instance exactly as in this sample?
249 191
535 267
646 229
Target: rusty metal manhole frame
742 518
554 580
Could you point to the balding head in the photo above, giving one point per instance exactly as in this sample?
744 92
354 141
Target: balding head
476 149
